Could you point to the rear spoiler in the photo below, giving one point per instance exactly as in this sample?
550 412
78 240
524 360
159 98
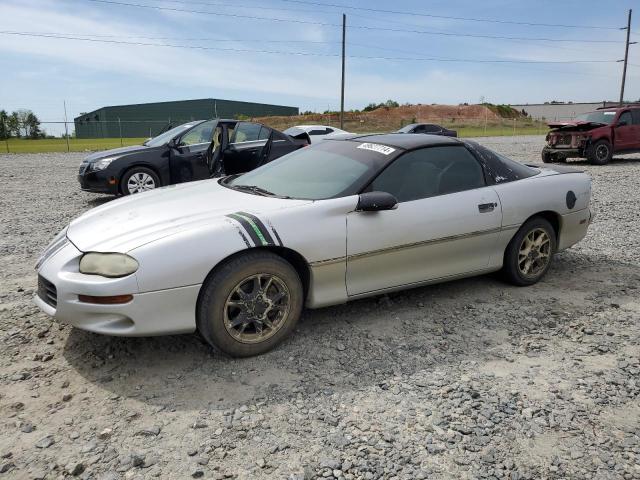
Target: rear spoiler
555 168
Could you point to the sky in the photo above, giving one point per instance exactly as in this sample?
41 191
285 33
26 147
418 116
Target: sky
290 53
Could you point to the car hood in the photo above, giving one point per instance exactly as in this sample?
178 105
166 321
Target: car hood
114 152
575 125
129 222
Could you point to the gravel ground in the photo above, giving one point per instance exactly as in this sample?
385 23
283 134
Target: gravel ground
469 379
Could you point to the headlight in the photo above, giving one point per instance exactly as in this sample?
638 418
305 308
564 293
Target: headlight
102 163
110 265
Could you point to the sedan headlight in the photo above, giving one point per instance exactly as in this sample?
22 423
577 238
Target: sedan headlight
110 265
102 163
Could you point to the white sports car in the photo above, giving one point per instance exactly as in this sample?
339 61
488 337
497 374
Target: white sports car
237 258
316 132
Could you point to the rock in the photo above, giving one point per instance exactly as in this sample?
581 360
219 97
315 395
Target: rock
104 434
261 462
27 427
45 442
331 463
340 347
66 397
192 452
197 474
6 466
75 468
150 431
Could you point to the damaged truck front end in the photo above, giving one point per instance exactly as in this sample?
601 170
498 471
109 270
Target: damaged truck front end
589 136
568 140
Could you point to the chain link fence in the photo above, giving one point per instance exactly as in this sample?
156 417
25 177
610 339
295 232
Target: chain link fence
108 134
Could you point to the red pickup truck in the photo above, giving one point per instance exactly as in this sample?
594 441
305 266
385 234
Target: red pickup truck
596 136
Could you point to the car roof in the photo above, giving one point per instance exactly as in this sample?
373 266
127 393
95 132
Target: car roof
314 126
406 141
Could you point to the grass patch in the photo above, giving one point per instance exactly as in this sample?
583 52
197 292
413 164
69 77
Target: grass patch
21 145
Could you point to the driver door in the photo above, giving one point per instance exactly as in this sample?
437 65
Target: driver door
447 223
188 159
627 134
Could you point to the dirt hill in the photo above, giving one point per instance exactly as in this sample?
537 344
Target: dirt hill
386 119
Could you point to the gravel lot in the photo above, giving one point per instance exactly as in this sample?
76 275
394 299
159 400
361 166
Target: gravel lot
469 379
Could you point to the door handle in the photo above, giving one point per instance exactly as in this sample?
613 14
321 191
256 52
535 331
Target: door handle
487 207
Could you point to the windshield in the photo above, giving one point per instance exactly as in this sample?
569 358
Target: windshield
605 118
163 138
326 170
406 128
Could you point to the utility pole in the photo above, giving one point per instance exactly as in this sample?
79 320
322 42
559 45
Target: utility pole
344 34
626 57
66 130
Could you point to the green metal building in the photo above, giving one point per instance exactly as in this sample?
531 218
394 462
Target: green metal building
149 119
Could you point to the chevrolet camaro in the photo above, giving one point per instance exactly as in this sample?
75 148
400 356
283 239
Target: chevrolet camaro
237 258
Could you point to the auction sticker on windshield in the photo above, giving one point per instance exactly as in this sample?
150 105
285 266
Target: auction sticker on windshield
374 147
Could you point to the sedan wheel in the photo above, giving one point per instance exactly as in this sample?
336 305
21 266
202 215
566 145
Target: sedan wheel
250 303
138 180
530 252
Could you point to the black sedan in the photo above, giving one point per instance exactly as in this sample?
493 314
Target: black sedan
193 151
429 128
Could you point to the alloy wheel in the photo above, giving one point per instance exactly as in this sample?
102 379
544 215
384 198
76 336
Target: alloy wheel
140 182
256 308
602 152
535 253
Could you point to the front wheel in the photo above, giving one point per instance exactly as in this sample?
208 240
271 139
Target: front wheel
530 252
600 153
139 179
250 304
547 157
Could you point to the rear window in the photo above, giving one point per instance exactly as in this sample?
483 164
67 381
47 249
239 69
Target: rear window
499 168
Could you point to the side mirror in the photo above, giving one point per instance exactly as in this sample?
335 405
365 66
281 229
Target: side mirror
376 201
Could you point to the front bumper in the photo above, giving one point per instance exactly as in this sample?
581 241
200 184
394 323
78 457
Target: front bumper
563 152
159 312
100 181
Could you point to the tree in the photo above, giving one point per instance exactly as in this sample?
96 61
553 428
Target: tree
4 127
13 125
32 126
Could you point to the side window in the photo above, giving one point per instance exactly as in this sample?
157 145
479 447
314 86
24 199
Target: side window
626 117
635 113
419 129
202 133
317 131
329 130
429 172
264 133
431 129
499 168
246 132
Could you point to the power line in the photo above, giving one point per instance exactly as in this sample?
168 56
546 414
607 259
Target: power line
364 27
429 15
185 39
315 54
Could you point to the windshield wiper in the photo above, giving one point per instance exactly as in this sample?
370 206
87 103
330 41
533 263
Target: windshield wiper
255 189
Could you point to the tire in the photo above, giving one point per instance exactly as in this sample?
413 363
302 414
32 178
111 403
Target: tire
221 308
515 266
600 153
547 157
139 179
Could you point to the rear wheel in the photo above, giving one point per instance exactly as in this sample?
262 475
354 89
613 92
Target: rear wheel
250 304
530 252
139 179
600 153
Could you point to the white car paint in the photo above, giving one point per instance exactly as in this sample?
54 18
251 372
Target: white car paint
320 132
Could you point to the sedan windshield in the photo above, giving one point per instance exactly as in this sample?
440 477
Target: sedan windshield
606 118
163 138
326 170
